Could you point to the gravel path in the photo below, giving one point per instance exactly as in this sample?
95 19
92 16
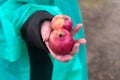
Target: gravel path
102 28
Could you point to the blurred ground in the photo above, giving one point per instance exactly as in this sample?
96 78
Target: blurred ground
102 28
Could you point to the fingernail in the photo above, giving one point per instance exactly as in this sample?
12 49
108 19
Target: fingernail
83 41
80 25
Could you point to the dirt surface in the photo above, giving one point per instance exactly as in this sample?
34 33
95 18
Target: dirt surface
102 28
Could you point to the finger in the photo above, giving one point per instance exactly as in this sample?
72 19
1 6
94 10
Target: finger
75 48
76 29
63 58
45 30
81 41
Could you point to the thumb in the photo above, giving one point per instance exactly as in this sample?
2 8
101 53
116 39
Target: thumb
45 30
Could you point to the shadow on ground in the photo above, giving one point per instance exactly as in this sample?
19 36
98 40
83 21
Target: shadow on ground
102 28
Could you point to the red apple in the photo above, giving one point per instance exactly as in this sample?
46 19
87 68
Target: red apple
61 41
62 21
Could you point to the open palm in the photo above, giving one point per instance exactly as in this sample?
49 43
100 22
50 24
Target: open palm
46 30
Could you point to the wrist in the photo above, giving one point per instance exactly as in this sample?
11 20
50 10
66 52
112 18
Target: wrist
45 30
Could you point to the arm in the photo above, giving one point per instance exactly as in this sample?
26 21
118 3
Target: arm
37 29
31 29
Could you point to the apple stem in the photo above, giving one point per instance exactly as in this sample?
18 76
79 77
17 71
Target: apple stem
60 35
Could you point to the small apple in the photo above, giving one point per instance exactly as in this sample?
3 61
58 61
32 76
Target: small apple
61 41
62 21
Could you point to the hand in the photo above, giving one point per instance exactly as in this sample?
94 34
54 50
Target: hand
45 32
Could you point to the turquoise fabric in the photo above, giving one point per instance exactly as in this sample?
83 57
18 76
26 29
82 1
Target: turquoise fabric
14 59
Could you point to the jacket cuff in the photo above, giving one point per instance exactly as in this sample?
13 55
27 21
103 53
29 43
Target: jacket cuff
31 29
